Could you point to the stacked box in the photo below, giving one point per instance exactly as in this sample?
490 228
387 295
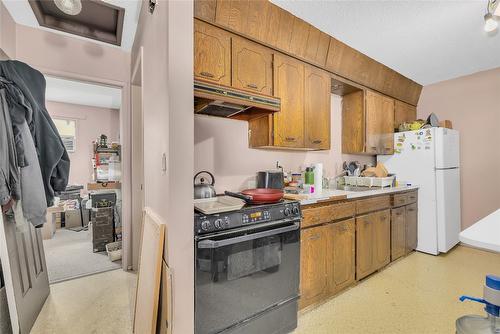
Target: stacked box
102 228
58 219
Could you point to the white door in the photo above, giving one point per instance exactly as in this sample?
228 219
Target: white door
447 148
24 269
448 207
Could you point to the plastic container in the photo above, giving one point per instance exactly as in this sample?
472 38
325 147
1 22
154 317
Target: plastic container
309 176
474 324
114 250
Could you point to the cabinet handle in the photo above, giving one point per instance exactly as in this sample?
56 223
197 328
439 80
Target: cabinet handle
314 237
411 210
207 74
317 141
290 139
373 148
383 217
253 86
398 213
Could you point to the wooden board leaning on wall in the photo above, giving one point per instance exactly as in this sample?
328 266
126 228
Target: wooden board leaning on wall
268 24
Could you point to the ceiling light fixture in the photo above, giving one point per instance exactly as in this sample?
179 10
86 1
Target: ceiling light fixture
70 7
490 24
490 18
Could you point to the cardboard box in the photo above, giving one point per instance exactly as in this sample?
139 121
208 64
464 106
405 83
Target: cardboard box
72 218
446 124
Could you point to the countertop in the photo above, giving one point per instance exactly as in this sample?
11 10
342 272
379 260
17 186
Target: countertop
484 234
329 195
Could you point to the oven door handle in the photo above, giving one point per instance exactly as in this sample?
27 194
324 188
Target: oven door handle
225 242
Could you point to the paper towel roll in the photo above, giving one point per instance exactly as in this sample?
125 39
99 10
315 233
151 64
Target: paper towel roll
318 177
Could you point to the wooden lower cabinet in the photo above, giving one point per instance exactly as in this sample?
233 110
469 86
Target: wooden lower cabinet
313 265
341 245
411 227
398 233
373 246
327 261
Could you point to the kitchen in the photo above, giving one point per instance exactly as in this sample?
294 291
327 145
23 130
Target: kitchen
334 166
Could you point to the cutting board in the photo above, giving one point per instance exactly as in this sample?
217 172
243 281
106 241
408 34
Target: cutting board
149 278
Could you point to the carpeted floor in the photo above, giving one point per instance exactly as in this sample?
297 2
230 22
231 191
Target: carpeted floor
69 255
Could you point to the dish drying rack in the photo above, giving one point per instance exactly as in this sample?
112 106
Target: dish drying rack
369 181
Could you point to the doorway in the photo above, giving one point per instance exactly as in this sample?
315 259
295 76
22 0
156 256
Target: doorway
84 230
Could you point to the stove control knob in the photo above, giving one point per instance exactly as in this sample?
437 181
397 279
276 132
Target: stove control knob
219 224
205 225
287 212
295 210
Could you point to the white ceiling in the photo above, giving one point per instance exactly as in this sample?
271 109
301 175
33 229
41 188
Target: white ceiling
21 12
76 92
427 41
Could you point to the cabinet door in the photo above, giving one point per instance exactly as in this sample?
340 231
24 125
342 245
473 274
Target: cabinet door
313 265
212 53
379 124
252 66
289 86
398 233
382 230
411 227
317 108
365 244
353 122
403 112
342 246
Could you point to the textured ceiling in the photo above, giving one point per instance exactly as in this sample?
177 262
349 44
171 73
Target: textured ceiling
427 41
21 12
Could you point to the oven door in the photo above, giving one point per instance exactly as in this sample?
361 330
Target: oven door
242 274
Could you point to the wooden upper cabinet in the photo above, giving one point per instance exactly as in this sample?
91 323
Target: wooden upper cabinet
288 127
341 271
317 108
379 124
252 66
353 122
212 53
403 112
314 260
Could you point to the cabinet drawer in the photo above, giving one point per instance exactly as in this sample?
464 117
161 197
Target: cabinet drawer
316 216
342 210
399 200
411 197
373 204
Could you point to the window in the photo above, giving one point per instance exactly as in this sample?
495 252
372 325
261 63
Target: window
67 131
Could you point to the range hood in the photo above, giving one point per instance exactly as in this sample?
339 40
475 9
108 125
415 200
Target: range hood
223 101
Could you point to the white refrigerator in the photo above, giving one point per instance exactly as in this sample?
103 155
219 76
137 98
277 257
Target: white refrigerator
430 159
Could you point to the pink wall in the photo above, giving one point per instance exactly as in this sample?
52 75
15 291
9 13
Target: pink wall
472 104
166 37
7 34
48 51
221 147
91 123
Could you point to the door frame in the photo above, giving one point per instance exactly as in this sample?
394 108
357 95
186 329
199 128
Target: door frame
125 141
137 139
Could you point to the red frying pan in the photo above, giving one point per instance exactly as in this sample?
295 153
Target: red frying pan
258 195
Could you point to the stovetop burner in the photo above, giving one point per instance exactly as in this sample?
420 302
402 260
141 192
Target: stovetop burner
248 215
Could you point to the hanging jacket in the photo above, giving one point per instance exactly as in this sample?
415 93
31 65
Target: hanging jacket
52 156
32 191
9 172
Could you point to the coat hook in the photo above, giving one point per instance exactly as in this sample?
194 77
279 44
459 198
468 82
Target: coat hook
152 6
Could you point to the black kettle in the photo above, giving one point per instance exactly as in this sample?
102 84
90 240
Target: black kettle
203 189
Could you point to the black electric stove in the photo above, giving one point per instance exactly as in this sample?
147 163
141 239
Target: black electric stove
247 269
248 215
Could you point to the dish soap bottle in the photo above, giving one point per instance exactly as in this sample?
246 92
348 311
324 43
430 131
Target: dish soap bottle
474 324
